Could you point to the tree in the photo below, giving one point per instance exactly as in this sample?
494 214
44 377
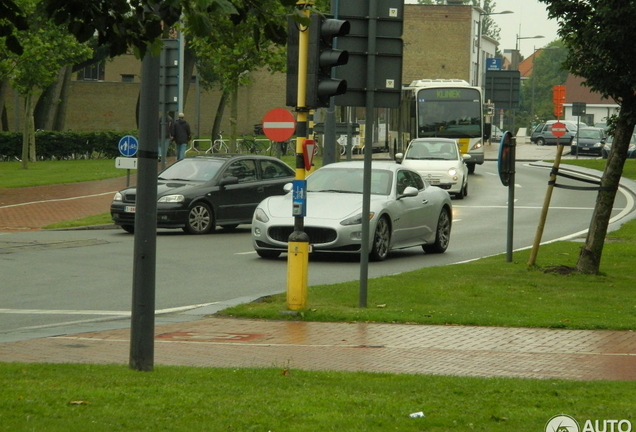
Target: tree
235 48
601 52
47 48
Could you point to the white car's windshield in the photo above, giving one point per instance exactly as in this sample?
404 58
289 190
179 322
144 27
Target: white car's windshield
349 180
432 150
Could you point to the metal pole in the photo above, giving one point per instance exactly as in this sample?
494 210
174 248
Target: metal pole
142 323
368 152
298 244
511 199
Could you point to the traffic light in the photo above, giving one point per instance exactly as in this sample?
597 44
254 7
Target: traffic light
292 63
322 57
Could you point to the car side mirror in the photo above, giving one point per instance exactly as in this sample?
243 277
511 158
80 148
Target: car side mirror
466 156
399 157
229 180
409 191
287 187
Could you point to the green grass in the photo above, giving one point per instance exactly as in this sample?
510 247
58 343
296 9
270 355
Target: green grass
68 398
57 172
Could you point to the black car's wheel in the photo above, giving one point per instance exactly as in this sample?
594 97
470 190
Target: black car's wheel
540 141
200 219
442 234
128 228
268 254
381 240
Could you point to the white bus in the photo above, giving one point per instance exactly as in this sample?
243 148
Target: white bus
446 108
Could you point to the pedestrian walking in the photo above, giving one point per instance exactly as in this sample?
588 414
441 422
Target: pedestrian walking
166 126
181 135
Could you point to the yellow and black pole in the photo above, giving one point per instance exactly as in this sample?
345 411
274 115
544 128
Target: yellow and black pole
298 245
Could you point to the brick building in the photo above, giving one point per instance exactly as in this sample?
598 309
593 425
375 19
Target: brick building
440 41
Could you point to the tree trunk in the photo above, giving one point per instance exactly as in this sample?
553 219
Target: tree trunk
28 134
589 261
218 118
48 104
4 92
189 60
60 119
233 120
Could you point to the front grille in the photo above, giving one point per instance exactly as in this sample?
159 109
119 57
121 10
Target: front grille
316 235
129 197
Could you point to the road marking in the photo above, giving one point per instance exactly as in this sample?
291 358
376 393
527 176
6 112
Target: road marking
57 200
97 312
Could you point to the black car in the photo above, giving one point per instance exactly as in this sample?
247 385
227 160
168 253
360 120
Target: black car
199 193
588 140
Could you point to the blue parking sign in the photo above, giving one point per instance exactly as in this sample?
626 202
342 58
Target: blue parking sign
128 146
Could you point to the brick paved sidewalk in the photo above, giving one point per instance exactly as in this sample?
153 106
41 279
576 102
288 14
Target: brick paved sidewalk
388 348
31 208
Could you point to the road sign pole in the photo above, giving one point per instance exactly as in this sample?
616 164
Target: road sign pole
298 243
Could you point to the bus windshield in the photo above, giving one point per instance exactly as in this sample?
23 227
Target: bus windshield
449 112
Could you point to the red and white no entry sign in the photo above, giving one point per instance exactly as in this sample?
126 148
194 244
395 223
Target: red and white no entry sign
558 129
279 125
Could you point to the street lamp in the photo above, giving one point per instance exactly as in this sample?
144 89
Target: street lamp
479 63
516 60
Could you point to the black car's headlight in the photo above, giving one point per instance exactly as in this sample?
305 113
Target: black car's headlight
118 197
171 199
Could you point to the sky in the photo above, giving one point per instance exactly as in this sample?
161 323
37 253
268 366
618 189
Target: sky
529 19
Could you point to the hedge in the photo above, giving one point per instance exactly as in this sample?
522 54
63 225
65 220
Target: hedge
64 145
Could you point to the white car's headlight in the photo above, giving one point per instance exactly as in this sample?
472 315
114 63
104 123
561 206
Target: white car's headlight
171 199
356 220
452 171
118 197
260 215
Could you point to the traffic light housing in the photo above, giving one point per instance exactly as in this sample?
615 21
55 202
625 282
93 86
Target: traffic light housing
322 57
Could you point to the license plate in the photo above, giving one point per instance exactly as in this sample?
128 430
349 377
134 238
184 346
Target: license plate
130 209
433 182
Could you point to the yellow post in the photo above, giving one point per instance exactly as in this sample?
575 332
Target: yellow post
298 244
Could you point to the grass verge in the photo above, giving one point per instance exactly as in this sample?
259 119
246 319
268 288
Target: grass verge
111 398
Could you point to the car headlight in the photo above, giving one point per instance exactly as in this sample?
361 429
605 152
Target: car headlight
452 171
356 220
118 197
260 215
598 144
171 199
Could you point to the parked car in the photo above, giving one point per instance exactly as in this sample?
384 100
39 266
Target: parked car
588 141
197 194
405 211
542 134
439 162
631 151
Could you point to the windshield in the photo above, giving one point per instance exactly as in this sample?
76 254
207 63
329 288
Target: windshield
349 180
192 169
450 112
432 150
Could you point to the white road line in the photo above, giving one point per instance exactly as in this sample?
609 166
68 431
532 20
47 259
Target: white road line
96 312
57 200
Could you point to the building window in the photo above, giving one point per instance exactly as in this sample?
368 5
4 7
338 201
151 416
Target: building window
128 77
94 72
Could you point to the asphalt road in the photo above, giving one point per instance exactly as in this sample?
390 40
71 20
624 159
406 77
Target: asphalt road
50 278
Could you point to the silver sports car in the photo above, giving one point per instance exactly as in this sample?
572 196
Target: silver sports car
405 211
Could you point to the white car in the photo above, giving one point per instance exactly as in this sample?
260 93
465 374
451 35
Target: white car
439 162
405 212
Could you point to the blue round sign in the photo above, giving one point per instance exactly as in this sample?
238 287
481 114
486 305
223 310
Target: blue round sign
128 146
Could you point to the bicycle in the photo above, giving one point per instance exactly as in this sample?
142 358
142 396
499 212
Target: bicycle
250 144
219 145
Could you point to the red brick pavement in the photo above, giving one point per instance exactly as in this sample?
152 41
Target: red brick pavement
386 348
32 208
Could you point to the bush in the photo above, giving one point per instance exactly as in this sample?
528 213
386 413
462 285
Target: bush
64 145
